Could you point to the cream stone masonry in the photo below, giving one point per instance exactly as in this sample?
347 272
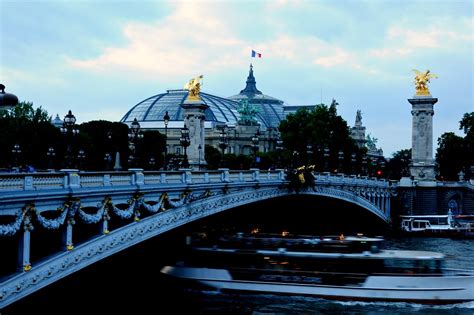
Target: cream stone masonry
194 119
423 165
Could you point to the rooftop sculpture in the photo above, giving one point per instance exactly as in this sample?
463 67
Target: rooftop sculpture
421 81
194 87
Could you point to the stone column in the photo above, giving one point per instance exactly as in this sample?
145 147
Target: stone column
194 119
422 166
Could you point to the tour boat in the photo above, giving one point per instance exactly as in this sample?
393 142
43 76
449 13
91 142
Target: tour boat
436 225
342 268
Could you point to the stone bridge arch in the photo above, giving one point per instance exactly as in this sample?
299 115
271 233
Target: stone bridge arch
201 197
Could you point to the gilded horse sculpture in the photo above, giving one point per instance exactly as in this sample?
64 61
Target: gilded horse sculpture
421 81
194 88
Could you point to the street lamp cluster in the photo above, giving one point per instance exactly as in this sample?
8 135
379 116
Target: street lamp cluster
134 135
166 120
185 142
255 146
223 143
69 131
16 151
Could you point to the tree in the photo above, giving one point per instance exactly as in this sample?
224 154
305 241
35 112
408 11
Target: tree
450 155
95 141
31 130
321 128
213 157
398 166
455 153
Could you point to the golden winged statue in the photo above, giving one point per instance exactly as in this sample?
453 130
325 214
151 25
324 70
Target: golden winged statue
421 81
194 87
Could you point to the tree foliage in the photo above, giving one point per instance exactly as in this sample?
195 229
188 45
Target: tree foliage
399 165
322 128
456 153
31 130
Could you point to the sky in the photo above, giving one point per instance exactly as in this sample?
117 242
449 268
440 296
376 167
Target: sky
99 58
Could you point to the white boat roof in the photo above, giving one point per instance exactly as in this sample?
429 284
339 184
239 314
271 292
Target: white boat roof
382 254
423 216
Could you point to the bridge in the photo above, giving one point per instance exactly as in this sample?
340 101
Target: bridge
145 204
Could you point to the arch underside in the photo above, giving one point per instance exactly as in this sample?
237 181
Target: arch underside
85 254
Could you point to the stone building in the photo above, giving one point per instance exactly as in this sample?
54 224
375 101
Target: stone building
222 114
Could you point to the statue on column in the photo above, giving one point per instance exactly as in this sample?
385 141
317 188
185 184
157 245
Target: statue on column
421 81
194 88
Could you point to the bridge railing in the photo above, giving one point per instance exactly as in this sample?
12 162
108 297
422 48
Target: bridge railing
75 179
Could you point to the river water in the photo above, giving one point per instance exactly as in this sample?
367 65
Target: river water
131 283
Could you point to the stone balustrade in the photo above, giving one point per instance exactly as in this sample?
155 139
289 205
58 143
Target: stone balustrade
75 179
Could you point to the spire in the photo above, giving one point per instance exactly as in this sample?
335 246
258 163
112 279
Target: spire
251 87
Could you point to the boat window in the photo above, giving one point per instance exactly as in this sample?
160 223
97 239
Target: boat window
413 265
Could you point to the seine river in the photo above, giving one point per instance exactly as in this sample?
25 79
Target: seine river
131 283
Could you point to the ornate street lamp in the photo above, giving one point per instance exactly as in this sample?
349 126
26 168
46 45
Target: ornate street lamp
69 130
16 151
51 154
184 141
279 149
326 159
152 163
364 165
134 134
166 120
108 161
309 152
223 144
255 140
340 158
81 156
353 162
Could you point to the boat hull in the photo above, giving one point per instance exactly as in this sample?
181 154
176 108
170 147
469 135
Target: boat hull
424 290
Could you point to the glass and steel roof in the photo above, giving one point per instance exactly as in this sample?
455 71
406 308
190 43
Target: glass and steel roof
154 108
270 108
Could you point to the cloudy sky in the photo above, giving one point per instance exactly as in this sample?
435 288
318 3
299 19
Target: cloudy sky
99 58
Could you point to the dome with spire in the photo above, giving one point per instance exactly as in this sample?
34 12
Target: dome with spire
150 112
269 107
7 100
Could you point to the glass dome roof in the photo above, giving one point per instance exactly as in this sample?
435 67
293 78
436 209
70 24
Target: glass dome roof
154 108
270 108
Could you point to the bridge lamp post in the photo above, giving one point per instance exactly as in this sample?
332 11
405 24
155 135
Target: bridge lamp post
326 159
279 149
340 158
152 163
255 140
184 141
364 165
353 161
81 157
380 171
166 120
51 154
16 151
69 130
107 155
134 135
108 161
223 144
309 153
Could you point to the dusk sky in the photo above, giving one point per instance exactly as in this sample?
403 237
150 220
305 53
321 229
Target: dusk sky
100 58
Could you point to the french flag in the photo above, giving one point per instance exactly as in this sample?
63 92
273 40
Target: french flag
256 54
